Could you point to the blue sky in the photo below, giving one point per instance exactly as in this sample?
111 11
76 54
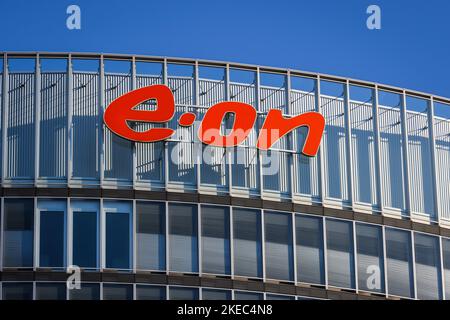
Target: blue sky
412 49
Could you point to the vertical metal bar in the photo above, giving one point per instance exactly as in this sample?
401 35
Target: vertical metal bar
258 152
197 144
2 231
69 102
263 244
441 255
5 107
134 144
36 234
294 246
34 293
292 175
199 239
325 250
414 264
167 238
101 106
37 116
383 230
377 146
69 233
166 143
321 168
405 154
348 144
102 237
355 256
228 150
231 243
434 170
134 236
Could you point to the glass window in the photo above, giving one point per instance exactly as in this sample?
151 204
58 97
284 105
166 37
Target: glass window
446 266
146 292
215 240
310 254
117 291
118 230
85 234
247 242
246 295
88 291
18 233
151 239
369 242
428 265
340 259
399 263
17 291
179 293
52 239
279 297
51 291
183 237
278 246
215 294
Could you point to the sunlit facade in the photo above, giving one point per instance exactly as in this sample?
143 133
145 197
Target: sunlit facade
367 218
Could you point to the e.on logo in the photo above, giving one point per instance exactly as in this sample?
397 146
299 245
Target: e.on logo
122 110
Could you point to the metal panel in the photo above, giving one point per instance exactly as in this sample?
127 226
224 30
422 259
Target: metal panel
391 158
363 153
442 134
305 168
245 163
118 151
20 127
1 121
182 157
85 126
273 98
53 126
421 183
334 147
211 92
182 89
150 156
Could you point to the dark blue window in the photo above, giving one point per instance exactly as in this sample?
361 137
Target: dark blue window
146 292
18 236
118 240
17 291
51 243
151 239
85 246
51 291
88 291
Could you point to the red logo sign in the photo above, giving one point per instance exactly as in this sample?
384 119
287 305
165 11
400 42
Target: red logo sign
121 111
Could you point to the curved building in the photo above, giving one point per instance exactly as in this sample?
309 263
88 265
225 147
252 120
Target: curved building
367 218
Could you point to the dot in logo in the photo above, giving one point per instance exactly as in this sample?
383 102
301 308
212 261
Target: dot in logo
186 119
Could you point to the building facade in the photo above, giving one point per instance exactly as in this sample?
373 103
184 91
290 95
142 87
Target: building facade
367 218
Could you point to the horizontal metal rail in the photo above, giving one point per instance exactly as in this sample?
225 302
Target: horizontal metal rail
232 65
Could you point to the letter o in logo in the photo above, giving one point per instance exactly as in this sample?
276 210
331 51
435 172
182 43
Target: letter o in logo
244 119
